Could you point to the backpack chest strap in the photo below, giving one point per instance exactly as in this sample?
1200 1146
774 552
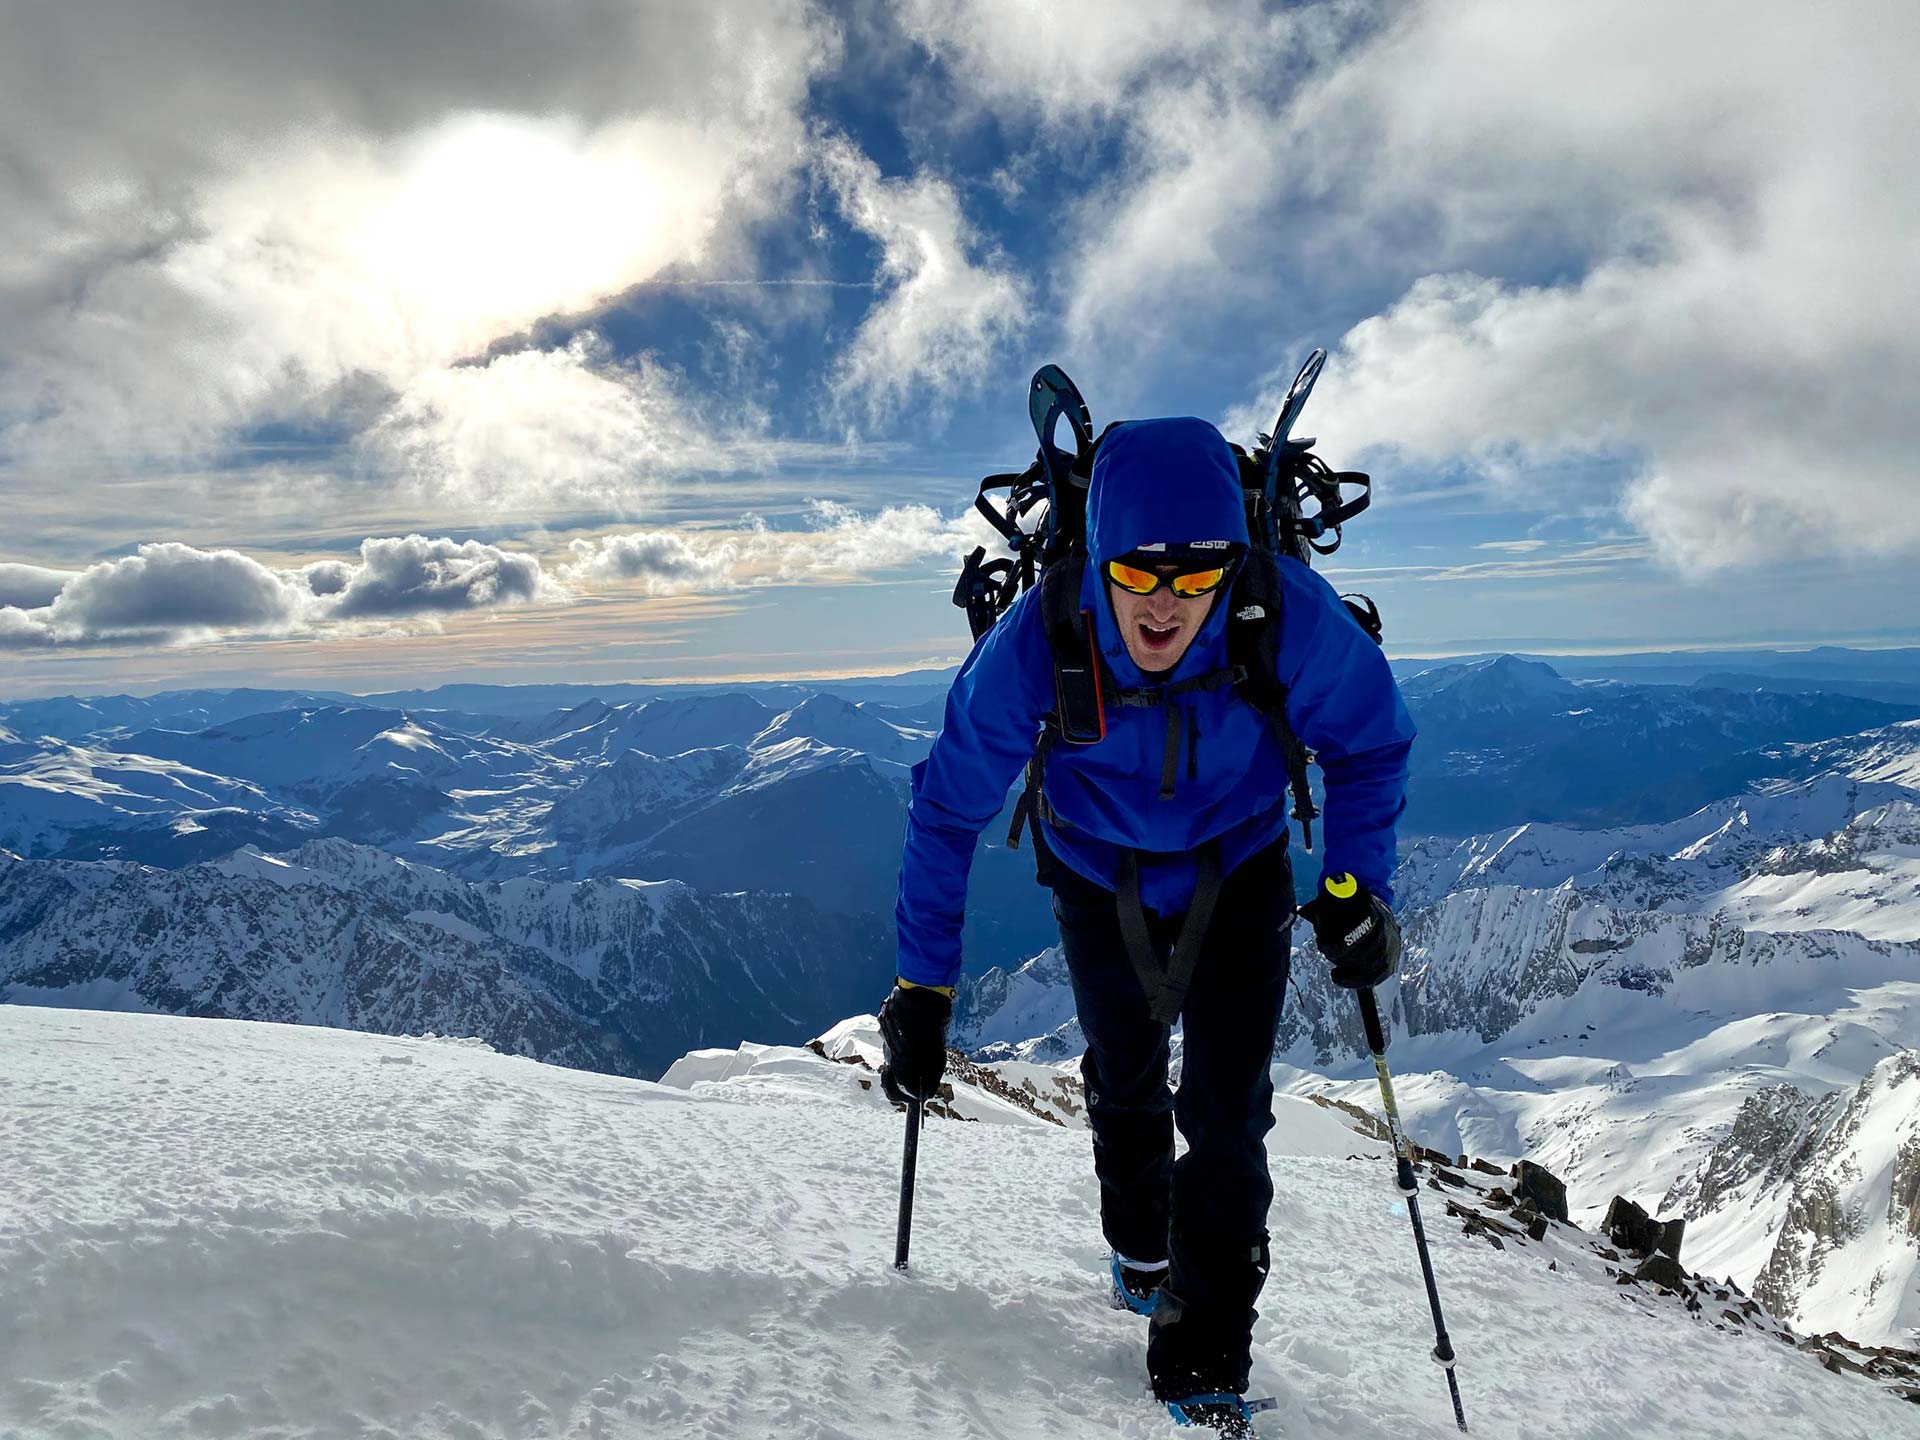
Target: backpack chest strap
1149 696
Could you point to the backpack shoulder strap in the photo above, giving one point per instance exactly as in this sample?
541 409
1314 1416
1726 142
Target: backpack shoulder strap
1080 679
1257 607
1079 684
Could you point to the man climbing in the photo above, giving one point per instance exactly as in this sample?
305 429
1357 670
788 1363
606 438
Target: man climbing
1163 834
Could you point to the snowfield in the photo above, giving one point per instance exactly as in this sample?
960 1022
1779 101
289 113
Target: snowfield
222 1228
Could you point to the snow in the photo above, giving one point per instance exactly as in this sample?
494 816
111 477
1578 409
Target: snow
227 1228
52 791
1621 1092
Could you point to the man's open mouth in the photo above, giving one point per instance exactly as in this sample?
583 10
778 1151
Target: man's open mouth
1157 639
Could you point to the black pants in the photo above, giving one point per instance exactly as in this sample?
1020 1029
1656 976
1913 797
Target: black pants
1206 1212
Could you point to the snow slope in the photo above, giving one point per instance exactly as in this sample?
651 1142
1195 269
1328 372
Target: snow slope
213 1228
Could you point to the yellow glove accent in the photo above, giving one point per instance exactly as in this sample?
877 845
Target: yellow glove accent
950 991
1342 887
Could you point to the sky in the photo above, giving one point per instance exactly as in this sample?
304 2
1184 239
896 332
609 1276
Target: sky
359 345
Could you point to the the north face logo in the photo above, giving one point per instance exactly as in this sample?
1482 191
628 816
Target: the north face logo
1250 612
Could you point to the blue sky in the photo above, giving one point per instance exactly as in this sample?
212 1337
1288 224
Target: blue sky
352 345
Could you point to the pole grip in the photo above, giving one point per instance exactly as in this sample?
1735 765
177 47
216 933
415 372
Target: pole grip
903 1228
1370 1017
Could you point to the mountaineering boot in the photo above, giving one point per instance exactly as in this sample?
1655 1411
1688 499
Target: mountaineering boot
1136 1287
1220 1411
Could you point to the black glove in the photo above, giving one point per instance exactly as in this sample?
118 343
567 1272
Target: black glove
913 1026
1356 932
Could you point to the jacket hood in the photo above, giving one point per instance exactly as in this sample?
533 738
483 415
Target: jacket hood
1165 482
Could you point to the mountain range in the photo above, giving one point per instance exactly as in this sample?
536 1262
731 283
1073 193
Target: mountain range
1665 938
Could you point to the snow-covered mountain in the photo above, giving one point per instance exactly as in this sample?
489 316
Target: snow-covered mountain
604 974
101 717
1844 1251
56 798
1608 999
1509 741
832 721
310 1233
1027 1013
1505 684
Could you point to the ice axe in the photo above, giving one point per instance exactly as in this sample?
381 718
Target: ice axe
903 1228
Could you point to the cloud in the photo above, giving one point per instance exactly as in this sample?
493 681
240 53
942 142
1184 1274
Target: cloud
1576 246
1184 106
19 630
233 215
944 314
568 426
169 593
1512 547
28 587
1596 559
843 540
665 562
1078 61
840 541
415 575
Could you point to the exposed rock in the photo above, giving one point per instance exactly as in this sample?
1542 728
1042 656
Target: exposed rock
1903 1199
1632 1229
1662 1270
1544 1189
1369 1124
1768 1141
1835 1172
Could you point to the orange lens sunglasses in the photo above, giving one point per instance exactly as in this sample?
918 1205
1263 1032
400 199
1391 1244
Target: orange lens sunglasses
1136 581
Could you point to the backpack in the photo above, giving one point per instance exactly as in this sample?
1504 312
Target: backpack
1296 506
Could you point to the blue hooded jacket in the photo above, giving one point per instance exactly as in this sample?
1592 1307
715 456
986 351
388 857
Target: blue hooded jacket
1173 482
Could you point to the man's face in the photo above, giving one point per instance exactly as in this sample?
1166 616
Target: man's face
1159 627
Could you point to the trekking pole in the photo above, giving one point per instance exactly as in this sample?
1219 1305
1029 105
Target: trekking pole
903 1230
1410 1189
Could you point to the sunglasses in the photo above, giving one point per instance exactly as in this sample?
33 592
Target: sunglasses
1187 585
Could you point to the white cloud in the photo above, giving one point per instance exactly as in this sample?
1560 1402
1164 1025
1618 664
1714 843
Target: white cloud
1512 547
1193 91
27 587
415 575
20 630
570 426
169 593
944 314
1680 253
667 563
845 541
1074 60
171 589
233 215
839 542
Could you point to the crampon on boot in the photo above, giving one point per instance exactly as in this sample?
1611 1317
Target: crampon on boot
1134 1288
